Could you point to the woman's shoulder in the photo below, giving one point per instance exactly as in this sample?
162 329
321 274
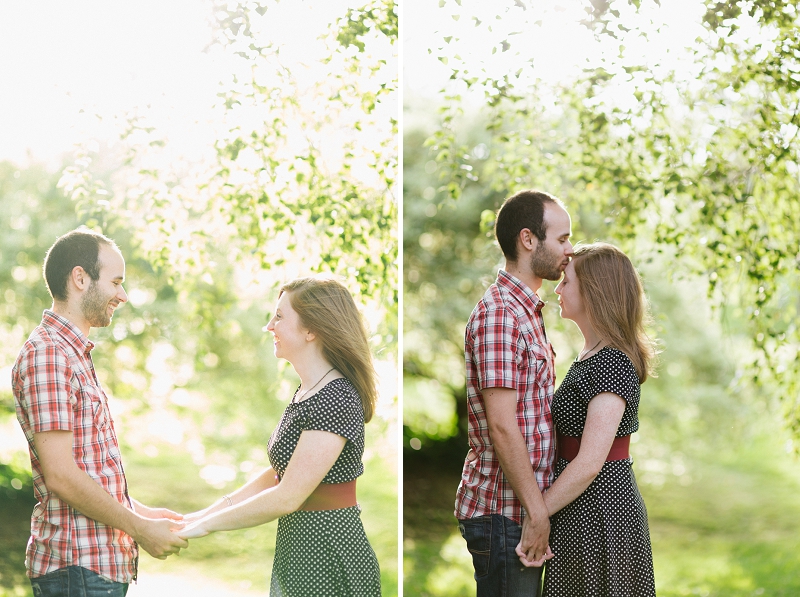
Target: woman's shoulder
338 401
612 359
339 389
611 353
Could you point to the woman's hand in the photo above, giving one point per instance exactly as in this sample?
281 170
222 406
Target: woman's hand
538 563
194 530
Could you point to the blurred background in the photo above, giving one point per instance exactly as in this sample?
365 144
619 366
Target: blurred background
227 147
671 130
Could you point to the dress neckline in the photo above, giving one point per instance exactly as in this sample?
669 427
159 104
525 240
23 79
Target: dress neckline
307 398
584 359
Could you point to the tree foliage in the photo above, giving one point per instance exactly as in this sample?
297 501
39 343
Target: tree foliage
301 180
700 159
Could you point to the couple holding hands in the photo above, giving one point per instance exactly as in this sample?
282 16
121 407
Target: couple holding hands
86 529
548 482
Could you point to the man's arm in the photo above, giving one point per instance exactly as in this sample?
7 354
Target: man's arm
73 486
512 452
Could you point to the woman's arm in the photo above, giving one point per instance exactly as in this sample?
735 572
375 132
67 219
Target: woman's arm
262 482
602 421
315 454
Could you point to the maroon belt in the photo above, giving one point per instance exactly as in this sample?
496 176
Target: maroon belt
568 447
330 496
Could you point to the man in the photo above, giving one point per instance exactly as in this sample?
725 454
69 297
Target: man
510 382
85 528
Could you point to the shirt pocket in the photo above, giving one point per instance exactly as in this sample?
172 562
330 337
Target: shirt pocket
526 350
542 358
93 396
92 427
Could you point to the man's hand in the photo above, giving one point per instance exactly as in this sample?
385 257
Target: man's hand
156 513
157 538
533 548
512 452
538 563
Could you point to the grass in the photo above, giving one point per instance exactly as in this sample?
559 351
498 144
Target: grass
242 559
733 531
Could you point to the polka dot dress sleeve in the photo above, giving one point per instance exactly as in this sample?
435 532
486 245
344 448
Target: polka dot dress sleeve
614 372
337 409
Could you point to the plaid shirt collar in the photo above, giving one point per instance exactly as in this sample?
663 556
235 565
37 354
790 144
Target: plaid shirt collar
521 292
68 331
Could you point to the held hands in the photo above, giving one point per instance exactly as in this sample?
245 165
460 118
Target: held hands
194 530
197 523
533 549
157 537
537 563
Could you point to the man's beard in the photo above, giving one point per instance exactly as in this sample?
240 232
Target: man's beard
95 307
545 264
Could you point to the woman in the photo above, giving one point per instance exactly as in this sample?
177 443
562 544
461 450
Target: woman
599 534
315 451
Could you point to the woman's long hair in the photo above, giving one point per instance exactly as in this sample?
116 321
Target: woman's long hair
615 303
327 309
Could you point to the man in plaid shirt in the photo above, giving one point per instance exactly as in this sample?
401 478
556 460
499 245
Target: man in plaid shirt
85 527
510 384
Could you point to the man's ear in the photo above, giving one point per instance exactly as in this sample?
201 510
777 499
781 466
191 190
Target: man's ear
527 239
79 278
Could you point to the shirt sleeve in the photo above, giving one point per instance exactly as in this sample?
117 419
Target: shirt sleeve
337 409
614 372
494 335
45 389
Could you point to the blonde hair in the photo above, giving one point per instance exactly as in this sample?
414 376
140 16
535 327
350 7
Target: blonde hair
615 303
327 309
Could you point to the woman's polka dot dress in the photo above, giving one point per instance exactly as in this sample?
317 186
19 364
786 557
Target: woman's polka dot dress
324 553
601 541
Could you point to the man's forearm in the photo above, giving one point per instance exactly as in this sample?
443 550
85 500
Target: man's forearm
80 491
512 452
74 486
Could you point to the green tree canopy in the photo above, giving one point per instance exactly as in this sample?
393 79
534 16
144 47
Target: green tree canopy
302 178
696 159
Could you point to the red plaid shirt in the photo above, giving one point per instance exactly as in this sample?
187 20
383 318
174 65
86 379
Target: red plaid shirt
55 388
506 347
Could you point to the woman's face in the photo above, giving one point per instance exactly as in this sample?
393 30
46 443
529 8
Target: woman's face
569 297
290 336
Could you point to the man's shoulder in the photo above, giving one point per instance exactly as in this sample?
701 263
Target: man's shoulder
494 308
495 300
496 297
40 346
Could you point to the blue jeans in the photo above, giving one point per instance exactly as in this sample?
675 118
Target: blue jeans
492 540
74 581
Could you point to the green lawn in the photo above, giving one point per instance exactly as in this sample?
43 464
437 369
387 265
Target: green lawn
733 531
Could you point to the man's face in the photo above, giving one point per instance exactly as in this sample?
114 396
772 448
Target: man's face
553 253
105 294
